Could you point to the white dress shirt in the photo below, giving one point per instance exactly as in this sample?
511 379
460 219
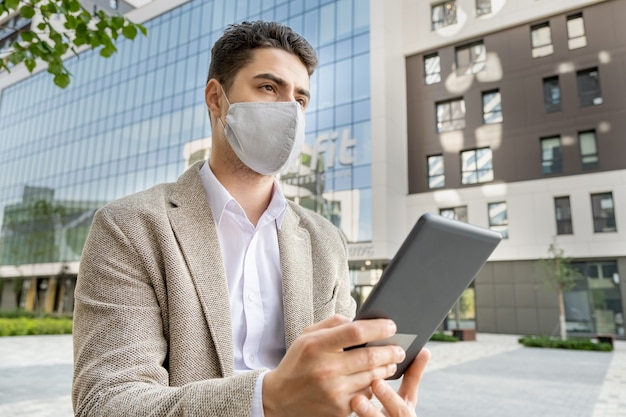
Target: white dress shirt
252 263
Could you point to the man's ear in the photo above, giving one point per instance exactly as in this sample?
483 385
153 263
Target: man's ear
212 94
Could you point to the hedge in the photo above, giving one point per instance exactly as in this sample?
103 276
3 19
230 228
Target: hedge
573 343
442 337
21 326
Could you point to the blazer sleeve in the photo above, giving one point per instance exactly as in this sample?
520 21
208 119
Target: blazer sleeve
121 342
345 305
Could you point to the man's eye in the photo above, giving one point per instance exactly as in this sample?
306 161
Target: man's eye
302 102
268 88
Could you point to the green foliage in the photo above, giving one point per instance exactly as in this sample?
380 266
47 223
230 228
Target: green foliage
21 326
572 343
442 337
50 42
559 273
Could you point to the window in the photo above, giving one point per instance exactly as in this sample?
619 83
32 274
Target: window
450 115
471 58
551 158
589 93
492 107
603 213
455 213
576 31
498 219
588 149
563 216
476 166
552 94
436 177
443 14
541 40
432 69
483 7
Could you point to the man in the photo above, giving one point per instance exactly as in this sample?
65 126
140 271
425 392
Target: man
216 296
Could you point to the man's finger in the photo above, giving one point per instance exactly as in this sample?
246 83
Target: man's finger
334 336
412 377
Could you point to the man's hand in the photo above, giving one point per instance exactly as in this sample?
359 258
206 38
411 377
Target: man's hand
318 378
400 404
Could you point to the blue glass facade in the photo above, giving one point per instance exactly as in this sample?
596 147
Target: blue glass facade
126 123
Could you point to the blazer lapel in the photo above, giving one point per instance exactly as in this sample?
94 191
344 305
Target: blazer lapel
193 225
294 245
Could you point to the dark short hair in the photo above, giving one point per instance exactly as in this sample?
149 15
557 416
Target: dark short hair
233 50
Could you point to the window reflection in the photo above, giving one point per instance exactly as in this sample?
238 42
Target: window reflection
122 124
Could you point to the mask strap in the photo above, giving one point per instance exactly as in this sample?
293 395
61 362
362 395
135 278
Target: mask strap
225 96
227 101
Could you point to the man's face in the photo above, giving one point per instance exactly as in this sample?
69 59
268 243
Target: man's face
272 75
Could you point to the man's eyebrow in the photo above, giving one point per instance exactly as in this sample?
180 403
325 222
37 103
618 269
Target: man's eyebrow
281 83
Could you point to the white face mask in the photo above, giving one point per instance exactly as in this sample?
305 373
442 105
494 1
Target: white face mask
266 136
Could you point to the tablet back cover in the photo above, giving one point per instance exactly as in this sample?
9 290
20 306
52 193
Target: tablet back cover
435 264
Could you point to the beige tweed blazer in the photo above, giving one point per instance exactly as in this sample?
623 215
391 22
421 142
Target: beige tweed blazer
152 325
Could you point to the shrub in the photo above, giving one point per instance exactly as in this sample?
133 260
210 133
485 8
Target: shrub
574 343
442 337
21 326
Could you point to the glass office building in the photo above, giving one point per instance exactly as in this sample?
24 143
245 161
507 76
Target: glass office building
139 118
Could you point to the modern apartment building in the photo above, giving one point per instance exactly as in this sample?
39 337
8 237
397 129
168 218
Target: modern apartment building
516 121
508 114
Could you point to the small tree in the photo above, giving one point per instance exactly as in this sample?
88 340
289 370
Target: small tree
56 27
560 276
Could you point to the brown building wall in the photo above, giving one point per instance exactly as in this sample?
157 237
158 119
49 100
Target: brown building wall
518 157
511 298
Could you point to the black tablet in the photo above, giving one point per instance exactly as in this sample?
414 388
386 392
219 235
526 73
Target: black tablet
437 261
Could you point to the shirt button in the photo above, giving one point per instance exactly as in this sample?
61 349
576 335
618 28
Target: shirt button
252 296
251 358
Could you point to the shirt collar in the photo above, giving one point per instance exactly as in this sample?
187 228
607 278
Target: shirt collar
220 199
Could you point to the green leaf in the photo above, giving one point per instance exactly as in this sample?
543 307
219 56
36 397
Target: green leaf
85 16
16 57
56 37
62 80
102 25
74 6
61 49
50 7
70 22
108 51
143 29
94 42
12 4
55 68
80 41
27 36
30 64
117 22
27 12
41 26
129 31
44 47
81 29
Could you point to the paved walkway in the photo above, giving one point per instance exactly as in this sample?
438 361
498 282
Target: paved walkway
494 376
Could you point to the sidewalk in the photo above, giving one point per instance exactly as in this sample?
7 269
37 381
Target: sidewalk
494 376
